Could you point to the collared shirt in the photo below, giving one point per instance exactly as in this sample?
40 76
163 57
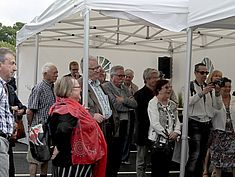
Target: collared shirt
6 117
101 97
40 100
202 107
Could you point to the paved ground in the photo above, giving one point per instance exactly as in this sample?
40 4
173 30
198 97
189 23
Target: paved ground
21 164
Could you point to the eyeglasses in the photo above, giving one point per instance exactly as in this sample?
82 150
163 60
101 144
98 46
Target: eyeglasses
167 87
95 68
120 75
203 72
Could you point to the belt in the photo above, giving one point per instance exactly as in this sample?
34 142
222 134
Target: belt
204 123
5 135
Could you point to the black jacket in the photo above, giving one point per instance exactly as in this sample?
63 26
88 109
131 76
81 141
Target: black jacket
14 100
142 97
61 127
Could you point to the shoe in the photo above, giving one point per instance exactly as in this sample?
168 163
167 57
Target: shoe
205 174
126 162
213 173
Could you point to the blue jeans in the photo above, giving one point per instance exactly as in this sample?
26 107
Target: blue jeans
198 133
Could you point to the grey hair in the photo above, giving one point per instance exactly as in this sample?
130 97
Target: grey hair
129 71
114 69
148 73
89 58
3 52
46 67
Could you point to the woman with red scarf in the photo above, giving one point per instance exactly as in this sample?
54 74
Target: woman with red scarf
80 147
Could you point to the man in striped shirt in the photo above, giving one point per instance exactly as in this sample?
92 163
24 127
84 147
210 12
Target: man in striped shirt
40 100
7 69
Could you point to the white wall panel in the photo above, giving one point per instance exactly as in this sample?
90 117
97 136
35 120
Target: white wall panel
136 61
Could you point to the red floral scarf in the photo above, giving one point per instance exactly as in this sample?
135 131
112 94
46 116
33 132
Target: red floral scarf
88 142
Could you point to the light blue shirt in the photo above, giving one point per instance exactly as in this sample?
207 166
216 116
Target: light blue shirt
6 117
101 97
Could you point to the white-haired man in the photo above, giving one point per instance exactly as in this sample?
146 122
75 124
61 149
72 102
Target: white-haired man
40 100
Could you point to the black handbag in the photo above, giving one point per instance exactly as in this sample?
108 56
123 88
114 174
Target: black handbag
161 144
39 143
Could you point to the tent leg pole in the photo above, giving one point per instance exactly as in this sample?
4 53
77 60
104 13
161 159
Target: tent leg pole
36 59
186 101
86 56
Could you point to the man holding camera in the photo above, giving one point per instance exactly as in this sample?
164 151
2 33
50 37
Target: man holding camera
202 102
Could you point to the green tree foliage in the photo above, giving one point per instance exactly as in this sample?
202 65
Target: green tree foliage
8 33
7 45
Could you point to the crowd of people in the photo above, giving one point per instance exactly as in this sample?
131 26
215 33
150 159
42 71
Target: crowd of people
95 140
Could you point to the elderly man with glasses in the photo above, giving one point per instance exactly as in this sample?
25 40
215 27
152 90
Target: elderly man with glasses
203 100
98 102
123 102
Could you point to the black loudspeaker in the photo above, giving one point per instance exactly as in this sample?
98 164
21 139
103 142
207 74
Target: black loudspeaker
165 66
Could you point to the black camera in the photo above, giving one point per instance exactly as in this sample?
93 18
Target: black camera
219 82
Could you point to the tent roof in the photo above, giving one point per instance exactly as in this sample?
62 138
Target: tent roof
214 20
134 25
217 14
62 21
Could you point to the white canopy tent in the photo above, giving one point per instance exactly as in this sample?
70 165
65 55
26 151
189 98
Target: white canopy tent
61 24
161 13
148 20
217 14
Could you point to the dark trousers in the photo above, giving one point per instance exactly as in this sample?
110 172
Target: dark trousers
198 138
160 163
128 138
115 149
11 160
